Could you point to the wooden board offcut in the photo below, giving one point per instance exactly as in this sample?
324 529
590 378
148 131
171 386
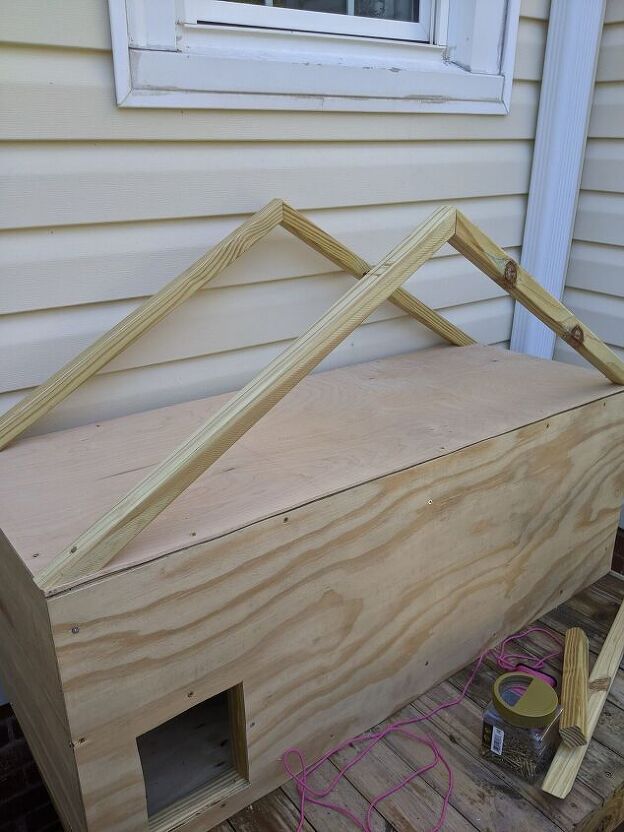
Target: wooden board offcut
418 406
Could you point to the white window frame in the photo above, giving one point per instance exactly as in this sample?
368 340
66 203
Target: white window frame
164 58
295 20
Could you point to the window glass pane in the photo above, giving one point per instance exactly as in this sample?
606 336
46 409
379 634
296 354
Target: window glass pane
383 9
388 9
333 6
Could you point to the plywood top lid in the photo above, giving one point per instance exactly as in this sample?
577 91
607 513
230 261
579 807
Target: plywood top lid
335 430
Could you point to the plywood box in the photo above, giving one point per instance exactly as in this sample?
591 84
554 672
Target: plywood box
374 532
294 580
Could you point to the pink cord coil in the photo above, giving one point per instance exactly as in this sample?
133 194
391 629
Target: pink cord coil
504 658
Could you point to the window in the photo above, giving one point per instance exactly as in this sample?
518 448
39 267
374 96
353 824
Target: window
396 19
359 55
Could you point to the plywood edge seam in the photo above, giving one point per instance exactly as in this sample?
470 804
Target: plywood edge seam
58 590
99 544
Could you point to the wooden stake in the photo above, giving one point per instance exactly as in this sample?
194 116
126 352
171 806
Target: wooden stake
100 543
496 263
564 768
574 691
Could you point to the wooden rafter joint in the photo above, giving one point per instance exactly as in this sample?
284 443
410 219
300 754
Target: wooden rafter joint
574 336
510 273
99 544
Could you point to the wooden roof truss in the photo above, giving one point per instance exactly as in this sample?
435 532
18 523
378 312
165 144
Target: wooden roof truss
99 544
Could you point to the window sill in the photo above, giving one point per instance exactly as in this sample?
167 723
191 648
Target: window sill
223 67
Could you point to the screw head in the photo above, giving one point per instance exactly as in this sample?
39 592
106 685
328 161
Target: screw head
75 630
510 274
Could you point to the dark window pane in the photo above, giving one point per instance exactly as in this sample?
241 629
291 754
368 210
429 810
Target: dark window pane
333 6
382 9
387 9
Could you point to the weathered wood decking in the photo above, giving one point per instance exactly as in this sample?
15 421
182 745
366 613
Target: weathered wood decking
485 798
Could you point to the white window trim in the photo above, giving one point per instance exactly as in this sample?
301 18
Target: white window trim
163 58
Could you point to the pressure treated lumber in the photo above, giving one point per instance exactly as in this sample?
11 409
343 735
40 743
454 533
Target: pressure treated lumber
573 720
47 395
43 398
567 762
100 543
468 239
495 262
303 228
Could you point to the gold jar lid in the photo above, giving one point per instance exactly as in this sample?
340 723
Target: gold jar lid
535 708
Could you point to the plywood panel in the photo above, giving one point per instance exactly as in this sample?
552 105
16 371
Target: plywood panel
287 607
49 268
57 184
68 95
113 394
30 672
434 401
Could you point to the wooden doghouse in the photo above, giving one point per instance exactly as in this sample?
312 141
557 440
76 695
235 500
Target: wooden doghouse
381 526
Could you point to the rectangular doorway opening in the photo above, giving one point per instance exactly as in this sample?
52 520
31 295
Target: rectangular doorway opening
196 758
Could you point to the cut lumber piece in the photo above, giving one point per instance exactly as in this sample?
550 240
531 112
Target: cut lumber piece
43 398
496 263
567 762
574 691
467 239
101 542
303 228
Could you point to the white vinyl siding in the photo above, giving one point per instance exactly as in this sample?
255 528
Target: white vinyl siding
101 206
595 279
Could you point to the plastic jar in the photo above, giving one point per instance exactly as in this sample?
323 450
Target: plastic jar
520 725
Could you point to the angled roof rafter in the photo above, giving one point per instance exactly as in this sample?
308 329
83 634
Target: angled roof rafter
99 544
46 396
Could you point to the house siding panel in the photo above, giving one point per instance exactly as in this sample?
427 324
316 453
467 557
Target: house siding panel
595 279
101 206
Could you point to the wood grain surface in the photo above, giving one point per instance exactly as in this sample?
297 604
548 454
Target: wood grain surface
286 606
31 678
565 767
496 263
99 544
315 442
574 691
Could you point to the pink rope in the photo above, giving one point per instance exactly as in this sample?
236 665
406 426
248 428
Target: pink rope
307 794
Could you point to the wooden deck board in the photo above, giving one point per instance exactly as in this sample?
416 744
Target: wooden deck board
485 797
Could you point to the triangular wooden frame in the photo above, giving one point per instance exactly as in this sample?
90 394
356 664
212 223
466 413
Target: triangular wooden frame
99 544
